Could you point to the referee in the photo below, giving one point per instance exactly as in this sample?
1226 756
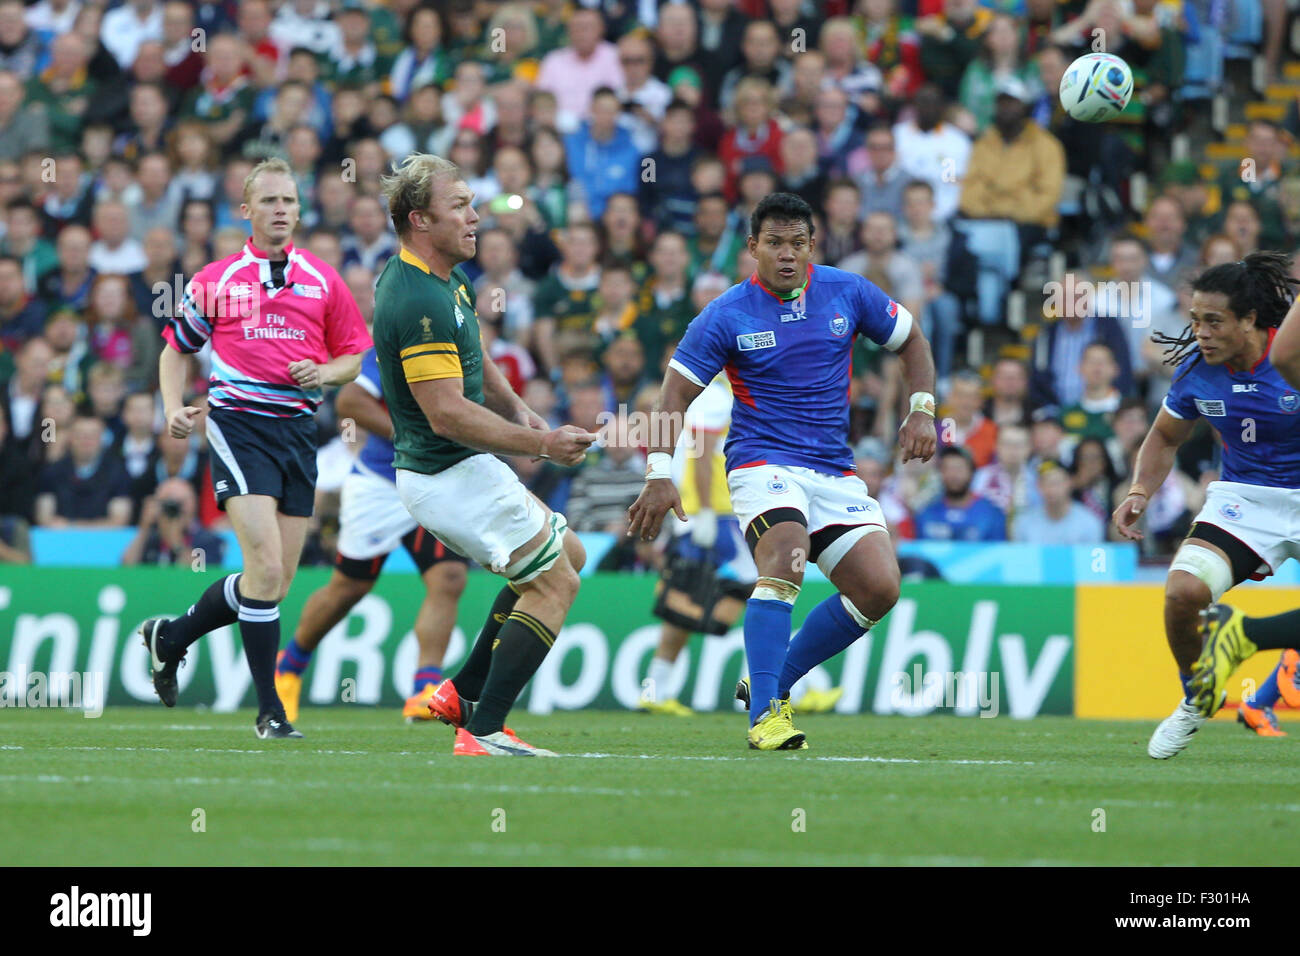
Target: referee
282 325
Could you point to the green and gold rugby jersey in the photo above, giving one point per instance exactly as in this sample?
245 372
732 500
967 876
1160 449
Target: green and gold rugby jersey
424 329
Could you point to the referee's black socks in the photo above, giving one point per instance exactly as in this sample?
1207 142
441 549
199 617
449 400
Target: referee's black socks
259 626
216 607
473 673
523 643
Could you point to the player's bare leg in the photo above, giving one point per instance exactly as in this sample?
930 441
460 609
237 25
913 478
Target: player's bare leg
671 641
444 583
326 607
1186 596
517 650
867 581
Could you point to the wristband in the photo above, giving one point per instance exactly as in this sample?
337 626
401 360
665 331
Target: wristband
658 464
1136 489
922 402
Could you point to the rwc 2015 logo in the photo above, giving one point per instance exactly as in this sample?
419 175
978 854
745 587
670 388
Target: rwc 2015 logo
748 341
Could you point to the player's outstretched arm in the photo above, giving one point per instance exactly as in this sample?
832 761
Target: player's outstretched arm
1154 460
451 415
659 496
356 403
1285 354
916 436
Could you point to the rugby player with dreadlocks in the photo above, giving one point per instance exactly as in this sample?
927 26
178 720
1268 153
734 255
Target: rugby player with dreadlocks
1250 523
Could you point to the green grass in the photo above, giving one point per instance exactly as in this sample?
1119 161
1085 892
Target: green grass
364 788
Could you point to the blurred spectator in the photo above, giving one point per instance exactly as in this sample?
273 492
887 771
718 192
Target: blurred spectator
603 160
1172 255
68 338
307 24
123 29
1011 190
946 272
575 72
1142 304
423 61
169 532
368 241
962 423
184 63
224 97
147 125
69 283
958 514
1059 519
841 236
499 260
933 151
1047 436
1009 481
1090 416
754 133
846 68
71 199
872 463
839 136
1257 180
803 173
677 36
157 206
88 488
119 335
1009 402
17 497
1059 355
645 97
564 301
883 179
21 396
668 198
615 308
23 129
138 444
624 372
23 240
721 36
20 47
115 252
987 75
951 42
1242 224
608 485
664 308
64 89
621 226
22 316
158 283
1093 477
760 49
882 263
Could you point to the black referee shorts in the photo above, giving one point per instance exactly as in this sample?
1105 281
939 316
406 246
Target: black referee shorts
258 455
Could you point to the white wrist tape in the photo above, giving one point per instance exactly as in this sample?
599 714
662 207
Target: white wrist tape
922 402
658 464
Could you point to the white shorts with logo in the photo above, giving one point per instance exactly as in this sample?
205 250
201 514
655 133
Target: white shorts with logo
824 500
478 507
1264 519
372 518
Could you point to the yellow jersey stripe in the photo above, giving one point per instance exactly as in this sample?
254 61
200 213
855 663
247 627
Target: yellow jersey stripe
411 259
425 368
408 352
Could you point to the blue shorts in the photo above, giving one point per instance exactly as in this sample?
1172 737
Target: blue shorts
258 455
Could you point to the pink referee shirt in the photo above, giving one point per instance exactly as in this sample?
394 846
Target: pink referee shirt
256 330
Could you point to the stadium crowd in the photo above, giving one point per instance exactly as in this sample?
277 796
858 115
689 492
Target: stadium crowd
616 148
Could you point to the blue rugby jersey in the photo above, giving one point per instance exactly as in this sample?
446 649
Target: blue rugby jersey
1256 413
789 364
377 453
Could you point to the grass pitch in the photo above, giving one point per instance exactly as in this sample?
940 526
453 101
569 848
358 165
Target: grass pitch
133 786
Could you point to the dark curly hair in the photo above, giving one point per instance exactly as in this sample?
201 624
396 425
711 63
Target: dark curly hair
1260 283
783 207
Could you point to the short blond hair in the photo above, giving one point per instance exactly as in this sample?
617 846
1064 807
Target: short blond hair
273 165
410 187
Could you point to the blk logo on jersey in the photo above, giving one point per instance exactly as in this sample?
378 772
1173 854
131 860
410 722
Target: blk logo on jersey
749 341
1211 409
1237 387
1289 403
1231 512
839 325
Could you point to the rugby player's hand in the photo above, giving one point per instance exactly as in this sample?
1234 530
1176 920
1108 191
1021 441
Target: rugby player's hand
646 516
917 437
530 419
181 422
1127 514
567 445
307 374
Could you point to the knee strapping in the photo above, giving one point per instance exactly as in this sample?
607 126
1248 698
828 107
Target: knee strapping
1207 566
543 558
775 589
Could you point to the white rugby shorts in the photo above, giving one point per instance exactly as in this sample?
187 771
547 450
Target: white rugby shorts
1264 519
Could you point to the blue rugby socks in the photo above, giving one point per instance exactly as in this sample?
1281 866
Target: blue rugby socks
767 636
828 629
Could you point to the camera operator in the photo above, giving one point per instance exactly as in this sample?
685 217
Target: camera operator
168 532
